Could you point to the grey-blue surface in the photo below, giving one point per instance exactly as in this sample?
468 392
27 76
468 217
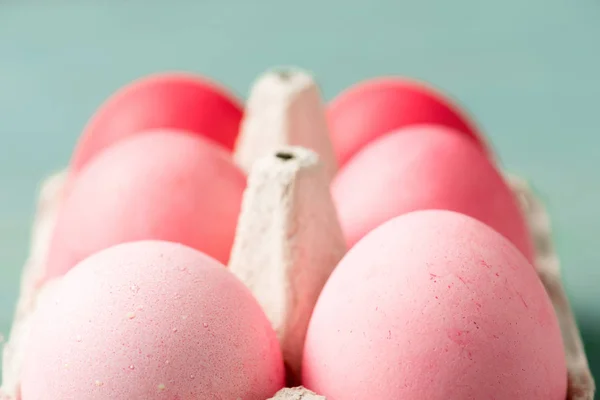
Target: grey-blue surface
527 70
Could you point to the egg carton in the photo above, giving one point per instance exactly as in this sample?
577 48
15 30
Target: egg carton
288 238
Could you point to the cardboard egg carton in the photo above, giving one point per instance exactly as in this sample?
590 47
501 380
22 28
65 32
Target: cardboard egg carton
288 237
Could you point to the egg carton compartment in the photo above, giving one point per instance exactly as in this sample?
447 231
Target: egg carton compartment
288 238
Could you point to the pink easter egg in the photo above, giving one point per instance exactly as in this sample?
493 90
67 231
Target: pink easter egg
434 305
375 107
178 101
163 185
151 320
425 167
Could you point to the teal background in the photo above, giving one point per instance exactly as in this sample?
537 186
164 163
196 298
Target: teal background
527 70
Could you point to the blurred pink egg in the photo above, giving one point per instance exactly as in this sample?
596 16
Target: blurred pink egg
434 305
375 107
163 185
161 101
151 320
425 167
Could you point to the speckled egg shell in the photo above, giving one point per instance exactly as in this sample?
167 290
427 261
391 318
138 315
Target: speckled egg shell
151 320
434 305
163 185
425 167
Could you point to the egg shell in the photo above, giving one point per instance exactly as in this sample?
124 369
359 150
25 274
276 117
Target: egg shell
434 305
151 320
374 107
425 167
163 185
167 100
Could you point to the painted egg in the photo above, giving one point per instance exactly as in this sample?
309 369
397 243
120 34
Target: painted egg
162 101
425 167
151 320
162 185
434 305
375 107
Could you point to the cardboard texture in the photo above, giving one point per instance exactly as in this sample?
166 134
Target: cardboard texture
284 108
288 242
297 393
